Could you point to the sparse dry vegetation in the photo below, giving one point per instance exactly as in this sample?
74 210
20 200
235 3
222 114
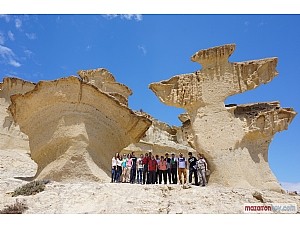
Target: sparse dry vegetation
16 208
31 188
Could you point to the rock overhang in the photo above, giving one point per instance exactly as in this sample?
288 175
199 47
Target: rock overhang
68 113
228 135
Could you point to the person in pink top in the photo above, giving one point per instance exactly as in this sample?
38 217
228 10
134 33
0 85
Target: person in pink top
162 170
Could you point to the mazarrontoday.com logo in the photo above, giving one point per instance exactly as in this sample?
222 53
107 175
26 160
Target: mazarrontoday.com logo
270 208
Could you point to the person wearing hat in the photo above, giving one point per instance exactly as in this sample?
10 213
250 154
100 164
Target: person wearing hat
173 167
182 165
192 168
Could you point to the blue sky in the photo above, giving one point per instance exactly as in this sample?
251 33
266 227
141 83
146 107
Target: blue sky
140 49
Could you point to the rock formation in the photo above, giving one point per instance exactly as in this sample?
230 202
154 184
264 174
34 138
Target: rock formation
14 146
234 139
186 129
159 139
11 137
76 125
106 82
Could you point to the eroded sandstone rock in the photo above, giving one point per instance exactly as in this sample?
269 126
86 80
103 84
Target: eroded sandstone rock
10 135
75 127
234 139
186 129
159 139
105 81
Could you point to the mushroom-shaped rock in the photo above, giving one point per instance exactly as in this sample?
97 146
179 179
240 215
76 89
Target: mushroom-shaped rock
217 79
105 81
74 128
225 137
10 136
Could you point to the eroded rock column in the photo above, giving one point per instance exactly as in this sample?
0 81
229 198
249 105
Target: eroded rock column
159 139
221 134
10 135
14 145
74 128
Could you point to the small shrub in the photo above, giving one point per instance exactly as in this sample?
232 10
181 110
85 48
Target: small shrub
31 188
17 208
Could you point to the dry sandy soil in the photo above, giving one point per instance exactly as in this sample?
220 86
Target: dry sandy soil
109 198
106 198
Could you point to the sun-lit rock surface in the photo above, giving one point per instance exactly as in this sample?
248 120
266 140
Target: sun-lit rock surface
74 128
234 139
161 138
10 135
106 82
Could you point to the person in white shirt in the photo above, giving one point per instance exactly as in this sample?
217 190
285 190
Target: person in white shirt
182 165
114 168
140 170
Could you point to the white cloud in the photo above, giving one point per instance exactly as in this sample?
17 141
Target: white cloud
18 23
28 53
291 186
137 17
110 16
8 56
31 36
143 49
14 63
5 17
1 38
11 36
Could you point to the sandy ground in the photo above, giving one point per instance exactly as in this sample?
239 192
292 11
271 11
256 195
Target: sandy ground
110 198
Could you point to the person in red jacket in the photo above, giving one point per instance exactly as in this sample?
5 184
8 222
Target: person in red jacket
152 167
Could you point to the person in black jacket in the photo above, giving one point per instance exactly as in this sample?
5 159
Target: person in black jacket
133 168
192 168
168 160
174 164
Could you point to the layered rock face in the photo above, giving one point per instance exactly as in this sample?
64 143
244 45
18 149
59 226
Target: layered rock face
11 137
159 139
74 127
106 82
234 139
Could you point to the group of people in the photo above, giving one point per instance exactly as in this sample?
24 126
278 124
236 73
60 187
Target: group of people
150 169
